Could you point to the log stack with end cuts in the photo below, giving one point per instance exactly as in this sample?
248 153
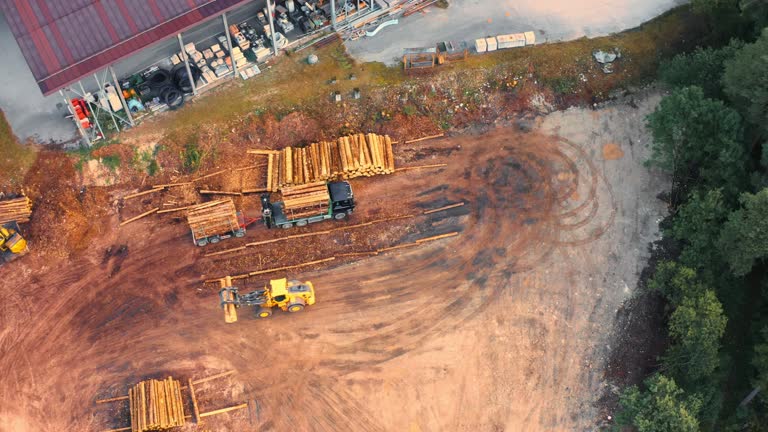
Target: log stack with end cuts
212 219
156 405
15 210
348 157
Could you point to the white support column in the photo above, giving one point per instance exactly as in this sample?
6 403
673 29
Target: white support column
333 14
186 64
71 111
122 98
102 94
270 11
229 43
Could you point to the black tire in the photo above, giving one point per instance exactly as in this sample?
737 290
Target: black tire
181 79
159 78
301 223
295 307
173 98
286 226
240 233
340 216
202 242
214 239
263 312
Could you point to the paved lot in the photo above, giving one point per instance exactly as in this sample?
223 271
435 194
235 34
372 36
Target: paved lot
552 20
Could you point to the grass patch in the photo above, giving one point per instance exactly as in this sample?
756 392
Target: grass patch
15 158
112 162
191 157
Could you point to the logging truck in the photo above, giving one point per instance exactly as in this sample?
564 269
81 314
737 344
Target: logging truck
309 203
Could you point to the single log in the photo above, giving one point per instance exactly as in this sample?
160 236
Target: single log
211 174
214 377
135 218
426 212
214 192
223 410
138 194
195 408
438 237
424 138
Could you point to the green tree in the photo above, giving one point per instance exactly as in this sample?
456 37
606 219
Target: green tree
662 407
675 282
746 81
699 140
704 67
744 238
698 223
711 6
760 362
695 327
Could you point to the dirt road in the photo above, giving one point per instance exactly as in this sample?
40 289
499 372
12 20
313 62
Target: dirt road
500 328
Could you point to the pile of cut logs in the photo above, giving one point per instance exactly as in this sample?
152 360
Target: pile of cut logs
348 157
15 209
156 405
305 200
213 218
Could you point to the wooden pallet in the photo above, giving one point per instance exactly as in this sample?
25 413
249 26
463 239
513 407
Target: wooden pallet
15 209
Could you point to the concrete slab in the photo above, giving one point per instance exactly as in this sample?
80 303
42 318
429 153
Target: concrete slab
29 113
467 20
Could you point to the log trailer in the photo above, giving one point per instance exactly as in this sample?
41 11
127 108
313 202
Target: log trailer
308 203
290 296
214 221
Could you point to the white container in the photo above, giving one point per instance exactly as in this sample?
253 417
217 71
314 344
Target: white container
492 45
530 38
515 40
481 46
289 4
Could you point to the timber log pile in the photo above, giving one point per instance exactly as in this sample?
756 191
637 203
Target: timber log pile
213 218
15 209
156 405
360 155
306 200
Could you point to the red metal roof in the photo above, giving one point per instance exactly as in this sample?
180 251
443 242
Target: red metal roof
64 40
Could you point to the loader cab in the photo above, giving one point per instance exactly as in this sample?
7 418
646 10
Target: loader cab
342 200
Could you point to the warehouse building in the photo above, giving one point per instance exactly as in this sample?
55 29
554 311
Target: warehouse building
109 63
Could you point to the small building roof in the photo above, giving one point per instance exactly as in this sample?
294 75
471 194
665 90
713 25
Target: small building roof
64 40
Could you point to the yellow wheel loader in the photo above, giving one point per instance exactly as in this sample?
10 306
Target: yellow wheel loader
12 244
290 296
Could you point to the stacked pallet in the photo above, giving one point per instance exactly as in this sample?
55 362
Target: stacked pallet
15 209
306 200
156 405
348 157
213 218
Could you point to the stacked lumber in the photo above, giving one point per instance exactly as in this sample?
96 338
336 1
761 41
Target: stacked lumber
213 218
306 200
156 405
15 209
348 157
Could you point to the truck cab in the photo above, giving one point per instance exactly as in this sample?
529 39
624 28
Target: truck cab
341 203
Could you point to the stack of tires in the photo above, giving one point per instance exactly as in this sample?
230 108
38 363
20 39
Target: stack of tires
170 87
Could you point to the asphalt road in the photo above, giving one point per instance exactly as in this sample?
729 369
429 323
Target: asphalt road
467 20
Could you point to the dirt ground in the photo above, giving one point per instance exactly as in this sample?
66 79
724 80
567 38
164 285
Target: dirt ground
503 327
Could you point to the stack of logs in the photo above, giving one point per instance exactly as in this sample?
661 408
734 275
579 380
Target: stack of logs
213 218
15 209
348 157
156 405
310 199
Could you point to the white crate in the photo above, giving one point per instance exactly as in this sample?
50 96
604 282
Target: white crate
481 46
514 40
530 38
492 45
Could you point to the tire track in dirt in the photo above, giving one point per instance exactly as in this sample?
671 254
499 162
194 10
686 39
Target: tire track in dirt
147 318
